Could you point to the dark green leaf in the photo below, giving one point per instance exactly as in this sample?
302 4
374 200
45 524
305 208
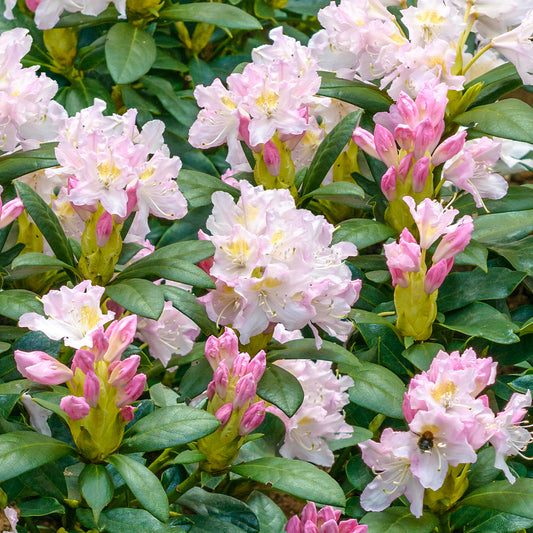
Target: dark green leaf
40 507
198 187
474 254
21 451
144 485
399 520
139 296
503 227
16 302
212 13
475 520
342 192
359 435
47 222
281 388
359 316
42 261
82 21
328 151
21 163
498 81
208 524
363 232
196 379
96 487
518 253
129 51
168 427
271 517
298 478
81 94
188 457
422 354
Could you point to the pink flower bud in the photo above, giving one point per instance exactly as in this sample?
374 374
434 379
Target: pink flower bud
272 158
309 513
448 148
407 109
405 166
211 389
100 343
33 4
352 526
126 413
240 365
122 372
221 379
91 389
388 184
130 392
245 390
385 146
330 526
365 140
257 365
225 347
456 240
224 413
120 335
104 226
42 368
76 407
424 136
420 174
293 525
253 417
405 137
10 212
244 122
84 360
436 275
327 513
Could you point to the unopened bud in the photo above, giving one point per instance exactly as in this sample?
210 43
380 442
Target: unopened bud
91 389
253 417
76 407
244 391
224 413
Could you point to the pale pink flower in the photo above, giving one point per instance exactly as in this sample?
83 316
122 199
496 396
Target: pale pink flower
403 257
71 314
13 518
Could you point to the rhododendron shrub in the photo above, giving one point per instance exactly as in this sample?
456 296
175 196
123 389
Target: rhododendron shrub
266 266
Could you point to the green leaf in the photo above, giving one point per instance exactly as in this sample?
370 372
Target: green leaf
168 427
270 516
208 524
188 457
218 14
364 95
17 387
96 487
294 477
43 262
481 320
462 288
196 379
399 520
281 388
509 118
328 151
139 296
518 253
516 499
21 451
40 507
359 435
83 21
503 227
362 232
81 94
498 81
221 506
21 163
422 354
198 187
378 389
306 349
16 302
475 520
144 485
342 192
129 52
359 316
474 254
47 222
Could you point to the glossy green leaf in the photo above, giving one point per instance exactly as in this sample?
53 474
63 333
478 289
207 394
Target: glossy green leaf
270 516
196 379
17 387
518 253
81 94
298 478
503 227
363 232
280 387
40 507
481 320
209 524
47 222
364 95
21 163
144 485
359 316
509 118
96 487
474 254
342 192
516 499
129 51
518 198
21 451
399 520
168 427
212 13
41 261
16 302
475 520
188 457
221 506
139 296
198 187
82 21
462 288
358 435
422 354
328 151
498 81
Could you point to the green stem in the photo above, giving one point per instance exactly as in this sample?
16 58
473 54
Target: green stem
186 485
160 461
477 56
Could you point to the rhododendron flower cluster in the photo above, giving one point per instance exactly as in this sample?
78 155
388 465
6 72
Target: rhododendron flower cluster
324 521
28 115
102 386
232 399
448 422
106 160
47 12
274 263
319 419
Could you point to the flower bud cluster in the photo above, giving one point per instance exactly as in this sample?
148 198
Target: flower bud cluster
448 422
232 399
324 521
274 263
